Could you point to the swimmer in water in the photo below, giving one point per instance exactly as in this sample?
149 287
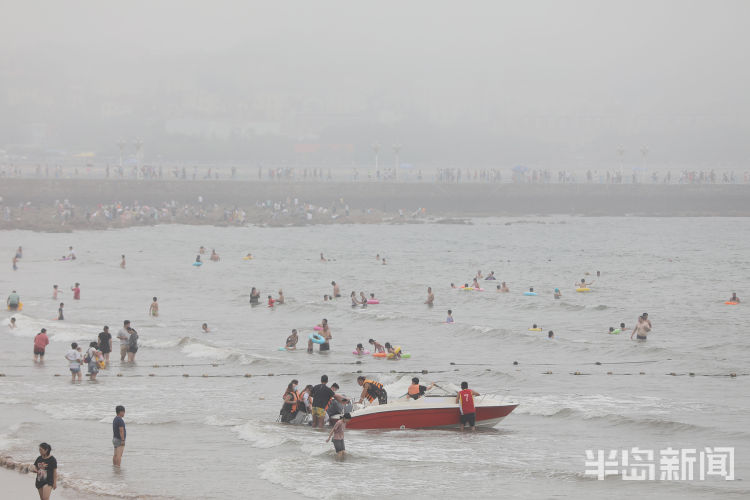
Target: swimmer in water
355 302
583 283
55 291
642 328
622 327
504 287
734 298
322 259
254 297
550 334
534 327
291 341
270 301
491 276
60 316
12 324
475 284
377 346
122 262
214 255
248 256
280 300
325 332
449 319
430 297
531 289
383 260
202 250
336 291
360 350
362 299
325 298
479 275
205 328
377 257
198 259
557 293
372 296
390 350
453 285
153 309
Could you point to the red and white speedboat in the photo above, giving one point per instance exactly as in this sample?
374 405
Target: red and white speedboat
430 411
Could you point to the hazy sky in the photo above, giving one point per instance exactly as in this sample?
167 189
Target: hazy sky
454 83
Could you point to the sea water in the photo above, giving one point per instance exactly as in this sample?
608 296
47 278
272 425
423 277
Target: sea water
213 433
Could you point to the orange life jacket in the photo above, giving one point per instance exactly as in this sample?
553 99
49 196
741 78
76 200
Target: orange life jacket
374 390
414 390
295 399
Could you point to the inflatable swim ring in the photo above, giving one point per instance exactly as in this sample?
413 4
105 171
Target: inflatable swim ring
535 329
373 301
316 338
363 352
466 288
615 331
197 264
583 289
530 294
378 355
729 303
317 328
405 355
20 307
396 351
247 258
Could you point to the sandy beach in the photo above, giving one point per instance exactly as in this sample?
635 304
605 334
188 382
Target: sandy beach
20 486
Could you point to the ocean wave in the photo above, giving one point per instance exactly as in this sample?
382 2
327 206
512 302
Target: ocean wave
263 436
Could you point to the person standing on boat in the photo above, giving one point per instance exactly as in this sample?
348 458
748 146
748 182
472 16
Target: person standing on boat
372 390
465 400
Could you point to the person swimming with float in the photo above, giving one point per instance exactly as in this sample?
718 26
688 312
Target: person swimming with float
393 353
376 345
475 284
271 301
355 302
372 390
557 293
205 328
504 287
360 350
734 298
583 283
291 341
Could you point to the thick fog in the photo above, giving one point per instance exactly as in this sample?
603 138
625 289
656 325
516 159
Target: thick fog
319 83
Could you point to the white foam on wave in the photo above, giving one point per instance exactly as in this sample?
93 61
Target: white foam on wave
262 436
219 421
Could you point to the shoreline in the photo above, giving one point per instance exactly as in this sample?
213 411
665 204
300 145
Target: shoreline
63 205
18 483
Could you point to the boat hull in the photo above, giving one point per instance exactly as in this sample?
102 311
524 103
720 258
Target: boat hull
427 418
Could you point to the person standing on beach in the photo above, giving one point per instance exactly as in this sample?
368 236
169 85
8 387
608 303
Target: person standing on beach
40 344
45 467
123 336
153 309
119 433
105 343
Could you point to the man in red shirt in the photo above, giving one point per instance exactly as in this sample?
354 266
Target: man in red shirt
76 291
465 400
40 343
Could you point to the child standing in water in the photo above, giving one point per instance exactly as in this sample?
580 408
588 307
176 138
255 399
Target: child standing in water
153 309
60 316
449 319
